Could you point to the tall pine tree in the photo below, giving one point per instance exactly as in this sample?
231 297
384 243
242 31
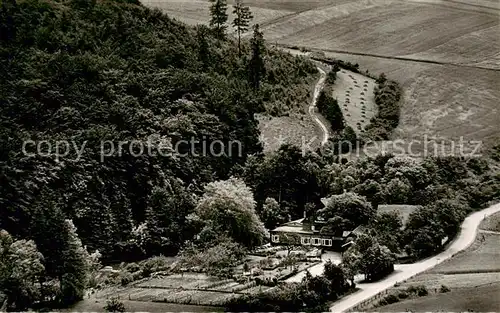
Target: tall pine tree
76 266
65 259
257 67
218 13
241 20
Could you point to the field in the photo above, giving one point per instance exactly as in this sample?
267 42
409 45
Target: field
472 299
354 93
444 53
395 28
458 98
194 12
492 223
473 277
441 102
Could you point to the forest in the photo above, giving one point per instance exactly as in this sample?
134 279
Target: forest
89 71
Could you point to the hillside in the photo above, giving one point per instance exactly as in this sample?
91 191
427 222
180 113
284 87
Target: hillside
133 165
100 104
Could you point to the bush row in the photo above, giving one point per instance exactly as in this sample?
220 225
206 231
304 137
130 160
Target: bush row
387 96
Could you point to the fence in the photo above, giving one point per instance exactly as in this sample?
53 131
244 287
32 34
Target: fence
369 302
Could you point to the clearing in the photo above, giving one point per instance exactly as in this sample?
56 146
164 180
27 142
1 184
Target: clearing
297 127
292 129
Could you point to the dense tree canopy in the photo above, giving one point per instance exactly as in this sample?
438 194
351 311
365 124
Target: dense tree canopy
21 269
132 100
350 206
367 256
288 177
108 77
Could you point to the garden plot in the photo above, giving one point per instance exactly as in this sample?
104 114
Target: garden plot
355 95
190 281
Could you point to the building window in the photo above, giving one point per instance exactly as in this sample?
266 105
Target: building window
306 240
275 238
327 242
316 241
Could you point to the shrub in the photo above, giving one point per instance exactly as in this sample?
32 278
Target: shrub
403 295
266 281
218 260
420 290
391 299
155 264
444 289
332 75
132 267
387 96
114 305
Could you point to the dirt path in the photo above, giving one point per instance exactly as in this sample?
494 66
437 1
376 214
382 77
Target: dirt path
312 107
466 237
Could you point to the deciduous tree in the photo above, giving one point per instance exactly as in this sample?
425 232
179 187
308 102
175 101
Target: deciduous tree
242 18
272 213
21 269
350 206
228 207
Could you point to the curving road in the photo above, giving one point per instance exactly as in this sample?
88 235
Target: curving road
466 237
312 107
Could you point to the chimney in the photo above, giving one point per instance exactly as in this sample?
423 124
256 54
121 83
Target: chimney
305 215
